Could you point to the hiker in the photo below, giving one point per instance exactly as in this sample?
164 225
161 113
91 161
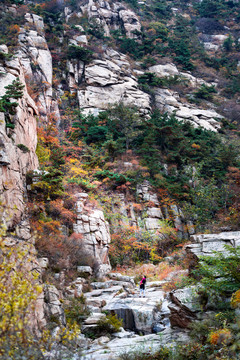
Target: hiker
142 286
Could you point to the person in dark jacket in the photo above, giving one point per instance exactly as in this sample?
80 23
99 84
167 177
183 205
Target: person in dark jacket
142 286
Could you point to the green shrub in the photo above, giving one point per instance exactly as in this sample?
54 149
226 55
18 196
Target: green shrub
205 92
109 325
7 106
164 353
220 275
115 177
209 8
79 53
149 80
24 148
76 310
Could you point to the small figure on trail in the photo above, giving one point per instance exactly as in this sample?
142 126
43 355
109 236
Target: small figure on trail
142 286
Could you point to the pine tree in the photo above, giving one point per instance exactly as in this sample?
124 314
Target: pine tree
14 91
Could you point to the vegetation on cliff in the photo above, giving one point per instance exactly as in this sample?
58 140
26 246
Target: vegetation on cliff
195 169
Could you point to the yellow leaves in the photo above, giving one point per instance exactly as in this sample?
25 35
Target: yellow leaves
18 291
196 146
235 300
43 154
78 171
39 289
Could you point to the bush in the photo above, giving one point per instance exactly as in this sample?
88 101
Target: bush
76 310
209 8
80 53
208 25
23 148
108 325
205 92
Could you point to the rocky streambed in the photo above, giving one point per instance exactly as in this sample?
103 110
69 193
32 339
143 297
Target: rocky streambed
160 318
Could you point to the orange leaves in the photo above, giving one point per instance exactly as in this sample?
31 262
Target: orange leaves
48 136
130 245
137 207
220 337
234 175
14 29
58 210
196 146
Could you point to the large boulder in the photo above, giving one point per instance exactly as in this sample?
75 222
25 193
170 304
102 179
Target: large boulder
95 232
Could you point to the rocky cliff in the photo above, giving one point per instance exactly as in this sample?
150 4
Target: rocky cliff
72 58
109 76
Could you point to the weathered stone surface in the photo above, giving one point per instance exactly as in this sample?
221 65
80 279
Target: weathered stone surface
85 270
14 164
213 42
43 262
100 98
130 22
145 193
149 343
36 60
184 307
93 319
95 302
206 244
152 224
137 313
35 20
120 277
155 213
164 70
52 305
96 234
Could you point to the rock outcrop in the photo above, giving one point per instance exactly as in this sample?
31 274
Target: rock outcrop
36 60
151 213
112 78
108 15
139 315
53 311
96 234
207 244
169 101
17 146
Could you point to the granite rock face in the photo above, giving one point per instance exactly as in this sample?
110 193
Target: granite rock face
206 244
109 15
95 231
108 81
169 101
15 162
111 77
36 60
53 310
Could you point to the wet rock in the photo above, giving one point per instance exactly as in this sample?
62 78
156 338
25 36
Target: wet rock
137 313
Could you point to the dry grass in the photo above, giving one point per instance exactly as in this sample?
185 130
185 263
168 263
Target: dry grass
153 272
